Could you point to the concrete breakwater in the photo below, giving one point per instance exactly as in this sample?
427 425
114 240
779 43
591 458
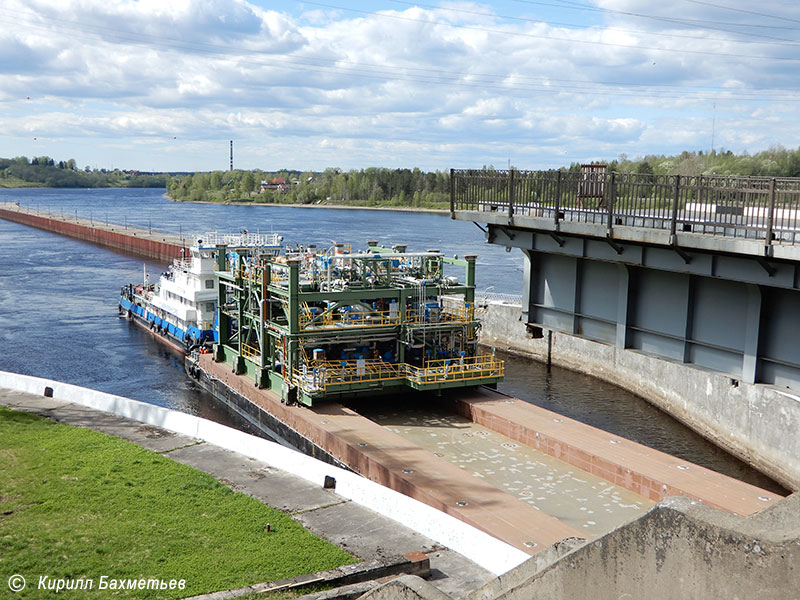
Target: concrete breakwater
757 423
156 246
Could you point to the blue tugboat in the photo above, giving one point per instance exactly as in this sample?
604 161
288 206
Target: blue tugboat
182 306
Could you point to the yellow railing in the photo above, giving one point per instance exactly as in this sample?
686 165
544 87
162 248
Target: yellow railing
251 352
327 375
449 313
278 276
456 369
353 318
250 270
253 275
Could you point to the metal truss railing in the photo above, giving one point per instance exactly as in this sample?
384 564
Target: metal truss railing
748 207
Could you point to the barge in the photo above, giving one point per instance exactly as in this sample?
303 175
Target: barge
334 323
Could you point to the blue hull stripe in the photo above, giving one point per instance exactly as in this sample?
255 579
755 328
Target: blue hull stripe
175 331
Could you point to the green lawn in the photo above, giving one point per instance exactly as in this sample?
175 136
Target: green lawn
14 182
78 503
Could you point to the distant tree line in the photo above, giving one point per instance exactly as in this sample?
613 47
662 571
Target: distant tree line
44 171
777 161
416 188
366 187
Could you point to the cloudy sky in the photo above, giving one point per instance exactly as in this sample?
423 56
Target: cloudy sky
165 84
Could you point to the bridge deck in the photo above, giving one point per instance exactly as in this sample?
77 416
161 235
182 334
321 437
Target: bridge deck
700 211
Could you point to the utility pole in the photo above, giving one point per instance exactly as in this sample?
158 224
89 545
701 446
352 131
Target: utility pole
713 127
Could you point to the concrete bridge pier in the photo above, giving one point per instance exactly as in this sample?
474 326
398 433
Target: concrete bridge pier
735 324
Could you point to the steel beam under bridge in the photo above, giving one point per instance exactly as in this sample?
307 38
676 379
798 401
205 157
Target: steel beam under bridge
727 302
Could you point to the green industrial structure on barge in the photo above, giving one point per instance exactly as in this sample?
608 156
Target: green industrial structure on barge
333 323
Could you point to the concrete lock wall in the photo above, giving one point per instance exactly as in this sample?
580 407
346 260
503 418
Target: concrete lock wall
756 422
491 554
679 549
134 241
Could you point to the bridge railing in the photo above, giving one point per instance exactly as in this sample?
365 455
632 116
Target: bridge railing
749 207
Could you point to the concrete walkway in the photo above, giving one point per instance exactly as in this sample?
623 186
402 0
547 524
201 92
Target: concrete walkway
359 530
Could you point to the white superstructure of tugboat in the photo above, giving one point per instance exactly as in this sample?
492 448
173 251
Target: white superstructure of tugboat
182 306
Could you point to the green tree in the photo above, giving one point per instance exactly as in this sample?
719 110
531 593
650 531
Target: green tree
248 182
214 180
646 169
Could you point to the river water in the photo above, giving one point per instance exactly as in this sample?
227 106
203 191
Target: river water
58 307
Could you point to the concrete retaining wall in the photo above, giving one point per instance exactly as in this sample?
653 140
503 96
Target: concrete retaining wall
162 248
486 551
679 549
756 422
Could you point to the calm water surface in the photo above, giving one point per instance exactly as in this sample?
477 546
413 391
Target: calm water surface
615 410
58 308
147 208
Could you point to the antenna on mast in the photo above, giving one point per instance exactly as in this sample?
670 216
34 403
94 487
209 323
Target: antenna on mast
231 155
713 127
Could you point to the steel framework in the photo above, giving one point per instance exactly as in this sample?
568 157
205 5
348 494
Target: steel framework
331 323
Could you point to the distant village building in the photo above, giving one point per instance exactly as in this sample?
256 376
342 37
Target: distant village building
276 184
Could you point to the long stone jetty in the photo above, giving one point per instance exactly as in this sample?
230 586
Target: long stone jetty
158 246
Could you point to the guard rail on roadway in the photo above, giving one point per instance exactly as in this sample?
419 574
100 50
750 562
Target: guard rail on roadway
762 208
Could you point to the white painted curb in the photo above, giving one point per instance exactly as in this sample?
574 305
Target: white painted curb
488 552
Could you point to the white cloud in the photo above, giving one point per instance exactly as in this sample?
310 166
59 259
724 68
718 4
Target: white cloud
433 88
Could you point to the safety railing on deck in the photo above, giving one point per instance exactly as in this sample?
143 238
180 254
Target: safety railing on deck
748 207
251 352
452 311
327 375
211 239
353 318
447 312
456 369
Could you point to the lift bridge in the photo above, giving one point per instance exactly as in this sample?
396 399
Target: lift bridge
333 323
703 270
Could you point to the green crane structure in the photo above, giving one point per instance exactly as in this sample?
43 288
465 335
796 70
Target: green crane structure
333 323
